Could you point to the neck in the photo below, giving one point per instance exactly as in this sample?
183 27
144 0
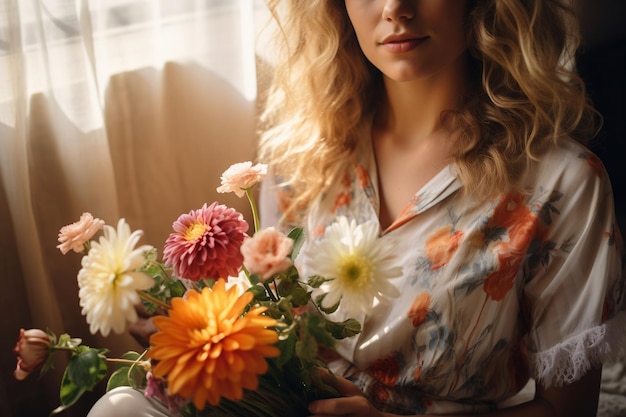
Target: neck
413 110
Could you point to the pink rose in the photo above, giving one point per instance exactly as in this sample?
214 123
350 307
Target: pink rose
267 253
75 235
240 177
31 350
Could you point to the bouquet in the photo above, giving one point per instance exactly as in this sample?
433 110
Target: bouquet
239 330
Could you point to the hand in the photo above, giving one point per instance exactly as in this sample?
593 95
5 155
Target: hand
143 328
353 402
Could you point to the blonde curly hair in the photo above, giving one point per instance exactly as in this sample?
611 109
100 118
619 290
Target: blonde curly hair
527 94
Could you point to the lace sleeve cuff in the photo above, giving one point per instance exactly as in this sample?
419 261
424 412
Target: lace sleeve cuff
568 361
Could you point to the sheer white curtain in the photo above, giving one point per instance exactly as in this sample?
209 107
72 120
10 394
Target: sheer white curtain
123 108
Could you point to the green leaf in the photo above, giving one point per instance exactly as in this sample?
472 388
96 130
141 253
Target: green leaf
259 292
290 274
70 392
347 328
131 376
306 349
151 257
306 346
316 281
87 368
285 287
131 356
128 374
254 279
285 308
119 378
330 310
299 296
165 286
312 333
47 365
286 348
297 234
316 325
66 341
205 282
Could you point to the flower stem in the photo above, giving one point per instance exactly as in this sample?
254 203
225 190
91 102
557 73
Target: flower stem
153 300
255 211
143 364
270 292
54 348
86 247
161 267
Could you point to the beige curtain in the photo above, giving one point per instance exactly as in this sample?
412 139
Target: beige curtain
123 108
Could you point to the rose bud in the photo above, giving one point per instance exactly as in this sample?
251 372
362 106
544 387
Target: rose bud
31 350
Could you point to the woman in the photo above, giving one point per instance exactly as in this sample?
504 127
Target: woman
454 124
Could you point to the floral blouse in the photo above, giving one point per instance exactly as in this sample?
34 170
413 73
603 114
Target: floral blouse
492 293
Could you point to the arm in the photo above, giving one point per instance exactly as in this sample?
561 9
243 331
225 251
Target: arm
579 399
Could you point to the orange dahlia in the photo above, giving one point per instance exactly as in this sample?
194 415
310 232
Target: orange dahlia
207 349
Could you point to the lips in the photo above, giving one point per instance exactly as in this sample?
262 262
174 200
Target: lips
402 43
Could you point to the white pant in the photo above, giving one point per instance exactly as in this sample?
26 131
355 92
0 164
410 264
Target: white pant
128 402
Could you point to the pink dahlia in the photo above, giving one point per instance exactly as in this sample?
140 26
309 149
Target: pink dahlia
206 243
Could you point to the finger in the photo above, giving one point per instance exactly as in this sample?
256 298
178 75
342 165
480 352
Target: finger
141 330
346 406
141 310
345 387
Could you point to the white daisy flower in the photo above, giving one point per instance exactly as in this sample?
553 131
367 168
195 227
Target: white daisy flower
358 264
108 280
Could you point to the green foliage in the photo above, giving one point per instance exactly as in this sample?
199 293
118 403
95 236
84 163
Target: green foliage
347 328
87 366
297 234
316 281
293 378
165 286
294 290
70 393
130 373
320 298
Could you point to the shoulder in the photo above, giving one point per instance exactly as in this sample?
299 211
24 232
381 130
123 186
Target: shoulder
567 166
572 155
570 190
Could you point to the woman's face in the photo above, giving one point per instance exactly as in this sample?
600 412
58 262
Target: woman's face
410 39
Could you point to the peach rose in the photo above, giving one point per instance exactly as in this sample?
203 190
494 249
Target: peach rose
75 235
241 176
31 350
266 253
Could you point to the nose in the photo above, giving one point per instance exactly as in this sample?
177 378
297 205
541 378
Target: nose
398 10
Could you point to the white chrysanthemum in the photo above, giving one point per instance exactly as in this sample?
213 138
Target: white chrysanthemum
108 280
359 263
